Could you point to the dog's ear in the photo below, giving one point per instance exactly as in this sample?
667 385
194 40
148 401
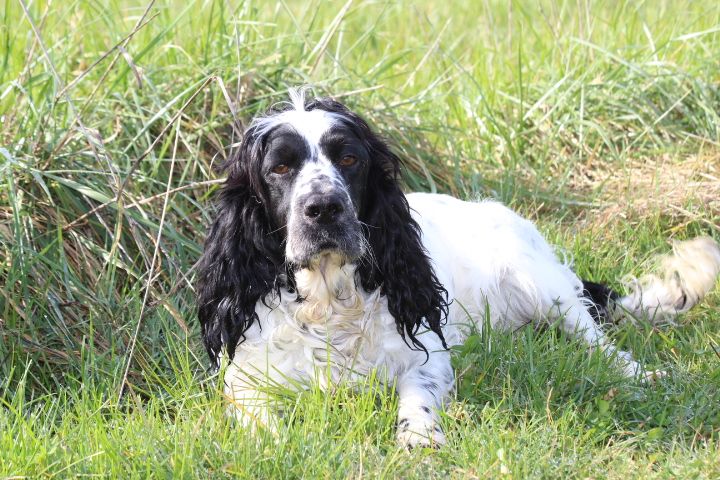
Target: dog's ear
240 263
398 262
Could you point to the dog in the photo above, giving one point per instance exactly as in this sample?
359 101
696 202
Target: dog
319 267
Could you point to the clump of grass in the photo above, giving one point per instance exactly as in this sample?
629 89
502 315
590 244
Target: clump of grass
113 119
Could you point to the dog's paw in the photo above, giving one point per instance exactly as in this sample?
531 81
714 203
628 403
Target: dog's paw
632 369
419 435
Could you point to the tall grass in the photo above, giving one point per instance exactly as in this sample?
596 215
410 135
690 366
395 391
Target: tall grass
115 116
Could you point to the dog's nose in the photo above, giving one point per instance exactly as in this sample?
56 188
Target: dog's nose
324 209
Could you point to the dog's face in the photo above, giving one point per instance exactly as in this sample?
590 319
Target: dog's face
314 168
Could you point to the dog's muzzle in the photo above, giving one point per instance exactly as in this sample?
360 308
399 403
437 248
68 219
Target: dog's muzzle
323 221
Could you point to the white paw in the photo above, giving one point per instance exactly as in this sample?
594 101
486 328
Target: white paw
632 369
420 435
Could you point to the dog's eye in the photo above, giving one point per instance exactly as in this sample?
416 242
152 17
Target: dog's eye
347 161
281 169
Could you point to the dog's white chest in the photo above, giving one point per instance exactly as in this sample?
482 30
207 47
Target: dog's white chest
345 344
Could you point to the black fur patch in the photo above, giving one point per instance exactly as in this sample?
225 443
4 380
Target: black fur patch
603 297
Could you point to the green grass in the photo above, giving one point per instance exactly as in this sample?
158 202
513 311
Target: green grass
549 106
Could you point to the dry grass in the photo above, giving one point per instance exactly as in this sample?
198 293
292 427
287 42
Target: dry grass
680 190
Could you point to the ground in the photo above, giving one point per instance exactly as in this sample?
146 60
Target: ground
598 120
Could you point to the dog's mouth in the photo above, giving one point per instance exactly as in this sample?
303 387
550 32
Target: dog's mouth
306 242
341 250
328 245
326 252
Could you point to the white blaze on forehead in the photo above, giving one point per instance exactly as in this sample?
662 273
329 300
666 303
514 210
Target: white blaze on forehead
311 125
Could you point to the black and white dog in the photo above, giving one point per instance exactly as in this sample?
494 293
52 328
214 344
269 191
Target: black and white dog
319 267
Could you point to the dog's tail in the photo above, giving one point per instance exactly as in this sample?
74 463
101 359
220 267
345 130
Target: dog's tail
683 278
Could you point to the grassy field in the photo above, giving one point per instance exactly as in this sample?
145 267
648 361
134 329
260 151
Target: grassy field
599 120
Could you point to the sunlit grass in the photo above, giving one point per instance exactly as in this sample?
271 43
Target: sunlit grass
108 109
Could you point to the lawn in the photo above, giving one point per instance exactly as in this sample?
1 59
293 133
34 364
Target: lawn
598 120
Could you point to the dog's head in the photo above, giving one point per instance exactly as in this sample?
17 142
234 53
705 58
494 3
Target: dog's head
311 179
312 164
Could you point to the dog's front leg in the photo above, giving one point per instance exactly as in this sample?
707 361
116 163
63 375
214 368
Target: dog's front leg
421 392
249 399
253 410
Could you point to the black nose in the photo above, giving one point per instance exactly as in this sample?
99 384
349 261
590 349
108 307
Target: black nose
323 209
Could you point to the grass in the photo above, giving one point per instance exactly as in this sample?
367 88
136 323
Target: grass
599 120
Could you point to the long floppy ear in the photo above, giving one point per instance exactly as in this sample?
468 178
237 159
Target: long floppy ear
397 262
241 259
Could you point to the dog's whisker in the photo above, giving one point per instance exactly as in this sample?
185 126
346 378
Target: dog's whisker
277 229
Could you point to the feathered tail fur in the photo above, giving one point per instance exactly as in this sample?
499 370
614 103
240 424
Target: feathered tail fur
684 277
